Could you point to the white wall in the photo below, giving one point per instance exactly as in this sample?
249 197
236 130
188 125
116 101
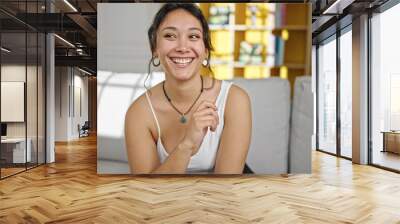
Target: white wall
33 125
122 36
67 81
82 83
16 73
123 54
12 101
61 103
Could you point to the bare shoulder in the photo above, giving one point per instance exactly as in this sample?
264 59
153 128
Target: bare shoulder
137 106
238 96
238 102
138 112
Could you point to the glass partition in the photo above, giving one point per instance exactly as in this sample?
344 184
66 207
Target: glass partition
346 93
13 109
327 96
31 100
385 89
22 88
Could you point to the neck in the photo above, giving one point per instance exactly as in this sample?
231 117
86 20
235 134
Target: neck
183 91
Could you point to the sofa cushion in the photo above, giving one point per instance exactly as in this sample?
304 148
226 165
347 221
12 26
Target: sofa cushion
270 101
301 126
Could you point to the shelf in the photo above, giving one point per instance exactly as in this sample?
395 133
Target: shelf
249 27
214 27
292 28
259 28
267 28
238 64
284 38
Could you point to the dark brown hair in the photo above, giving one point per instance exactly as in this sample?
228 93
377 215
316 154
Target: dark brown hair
159 18
190 8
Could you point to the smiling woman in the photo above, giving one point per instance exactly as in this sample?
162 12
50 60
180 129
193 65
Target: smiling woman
190 123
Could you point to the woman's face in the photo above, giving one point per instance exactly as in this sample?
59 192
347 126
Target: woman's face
180 45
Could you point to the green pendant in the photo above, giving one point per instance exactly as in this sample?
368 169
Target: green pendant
183 119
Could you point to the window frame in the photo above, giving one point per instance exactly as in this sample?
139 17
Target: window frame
347 27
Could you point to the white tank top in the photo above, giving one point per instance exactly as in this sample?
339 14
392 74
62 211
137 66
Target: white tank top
204 160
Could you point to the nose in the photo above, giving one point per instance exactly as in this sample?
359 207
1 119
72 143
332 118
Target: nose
182 45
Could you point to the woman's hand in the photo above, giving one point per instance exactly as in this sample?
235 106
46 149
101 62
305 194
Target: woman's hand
204 117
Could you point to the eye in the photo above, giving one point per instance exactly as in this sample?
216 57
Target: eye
194 37
169 36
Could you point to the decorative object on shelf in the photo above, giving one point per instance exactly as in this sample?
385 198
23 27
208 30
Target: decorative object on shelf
283 72
256 14
280 15
253 17
250 53
219 14
280 47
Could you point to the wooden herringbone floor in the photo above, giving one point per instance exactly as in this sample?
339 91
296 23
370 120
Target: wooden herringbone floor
70 191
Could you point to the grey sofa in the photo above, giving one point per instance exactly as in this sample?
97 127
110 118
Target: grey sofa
270 100
301 128
281 137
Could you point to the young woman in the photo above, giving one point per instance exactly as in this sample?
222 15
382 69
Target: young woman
190 123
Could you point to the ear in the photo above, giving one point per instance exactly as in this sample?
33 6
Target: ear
207 53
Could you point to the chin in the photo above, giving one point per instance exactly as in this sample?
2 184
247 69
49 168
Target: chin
182 75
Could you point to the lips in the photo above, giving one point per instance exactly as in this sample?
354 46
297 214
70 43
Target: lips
181 62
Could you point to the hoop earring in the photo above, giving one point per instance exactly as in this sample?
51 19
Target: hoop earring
148 75
153 61
206 62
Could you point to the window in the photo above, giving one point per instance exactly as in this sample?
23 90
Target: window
385 88
394 102
346 93
327 96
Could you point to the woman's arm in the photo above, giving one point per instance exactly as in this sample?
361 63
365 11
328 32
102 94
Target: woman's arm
141 147
177 161
236 135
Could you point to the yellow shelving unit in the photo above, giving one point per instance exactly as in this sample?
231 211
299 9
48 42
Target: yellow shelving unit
288 23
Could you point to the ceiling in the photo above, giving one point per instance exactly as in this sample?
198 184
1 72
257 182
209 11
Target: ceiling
76 24
329 15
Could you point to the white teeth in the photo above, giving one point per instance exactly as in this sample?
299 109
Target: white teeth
182 60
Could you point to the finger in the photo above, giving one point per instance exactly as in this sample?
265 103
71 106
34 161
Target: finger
201 121
208 124
210 120
206 104
207 111
209 116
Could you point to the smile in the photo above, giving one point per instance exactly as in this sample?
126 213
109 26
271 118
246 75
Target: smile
182 62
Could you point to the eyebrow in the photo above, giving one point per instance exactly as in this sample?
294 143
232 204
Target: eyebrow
174 28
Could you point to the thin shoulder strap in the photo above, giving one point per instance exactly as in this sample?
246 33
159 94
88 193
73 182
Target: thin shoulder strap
154 114
225 87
